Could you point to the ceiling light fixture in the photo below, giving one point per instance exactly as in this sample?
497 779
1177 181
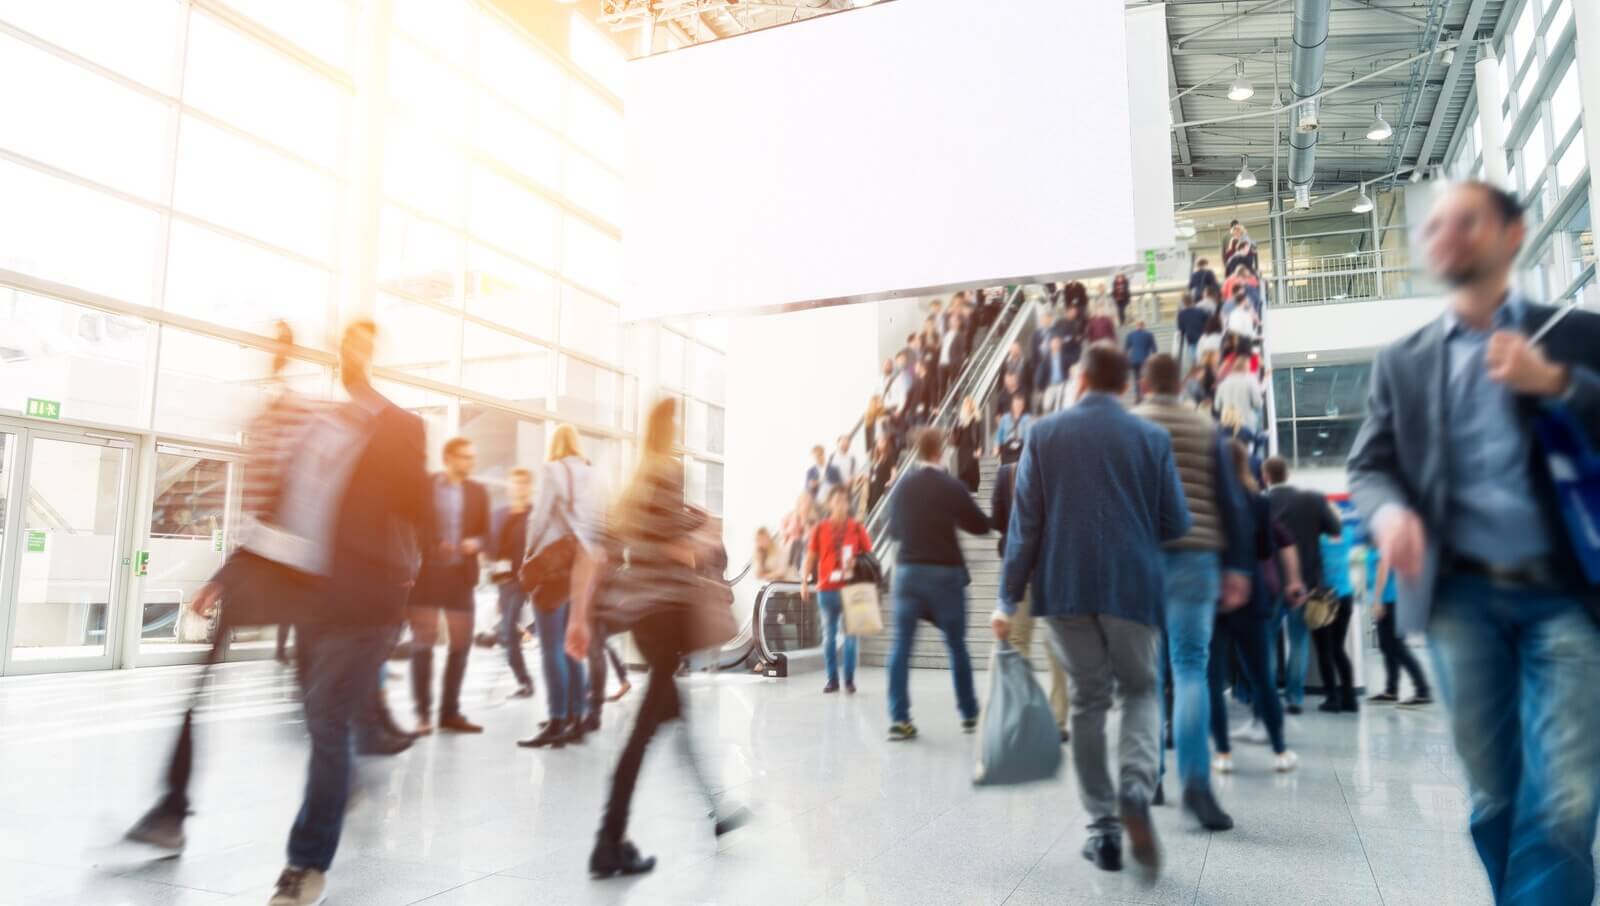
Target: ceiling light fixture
1380 128
1245 179
1363 204
1241 89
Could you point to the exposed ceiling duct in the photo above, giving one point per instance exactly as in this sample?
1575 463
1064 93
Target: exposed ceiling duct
1305 80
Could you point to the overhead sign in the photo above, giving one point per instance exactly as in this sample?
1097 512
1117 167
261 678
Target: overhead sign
43 408
37 539
1169 264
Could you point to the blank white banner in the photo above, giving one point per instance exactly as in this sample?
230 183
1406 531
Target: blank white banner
1151 112
902 147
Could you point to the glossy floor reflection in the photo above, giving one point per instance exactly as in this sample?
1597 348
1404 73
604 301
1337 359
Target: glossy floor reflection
1376 814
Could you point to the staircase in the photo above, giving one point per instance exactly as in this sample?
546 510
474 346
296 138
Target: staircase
983 562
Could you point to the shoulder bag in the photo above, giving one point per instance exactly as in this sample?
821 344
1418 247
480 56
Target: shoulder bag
547 575
1320 608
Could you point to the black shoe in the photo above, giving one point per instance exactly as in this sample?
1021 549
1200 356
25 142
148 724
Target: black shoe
553 735
1417 701
1384 698
1203 805
1135 814
849 688
969 725
1105 851
1160 798
161 828
578 729
830 688
612 859
1296 710
732 821
1349 705
1331 706
384 743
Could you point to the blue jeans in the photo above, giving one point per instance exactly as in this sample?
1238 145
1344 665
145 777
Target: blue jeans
832 607
937 594
563 676
341 674
1193 585
1299 651
512 597
1519 669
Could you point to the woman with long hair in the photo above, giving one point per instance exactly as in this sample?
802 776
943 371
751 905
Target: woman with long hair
1243 629
967 438
653 527
564 504
880 473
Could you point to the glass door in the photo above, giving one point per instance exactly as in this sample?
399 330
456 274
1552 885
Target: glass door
67 513
193 519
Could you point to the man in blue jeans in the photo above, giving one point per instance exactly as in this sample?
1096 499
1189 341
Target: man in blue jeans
926 508
1220 535
1463 502
830 556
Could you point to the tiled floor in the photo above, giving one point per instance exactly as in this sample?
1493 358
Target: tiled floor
1376 813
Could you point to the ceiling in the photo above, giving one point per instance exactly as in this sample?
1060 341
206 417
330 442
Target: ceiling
1207 39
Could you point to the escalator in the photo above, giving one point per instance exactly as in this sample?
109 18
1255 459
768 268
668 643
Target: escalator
784 636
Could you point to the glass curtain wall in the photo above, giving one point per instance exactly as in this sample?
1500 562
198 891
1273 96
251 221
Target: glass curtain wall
1546 162
177 177
1319 410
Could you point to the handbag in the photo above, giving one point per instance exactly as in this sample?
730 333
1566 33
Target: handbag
1575 472
862 615
1320 609
258 591
547 575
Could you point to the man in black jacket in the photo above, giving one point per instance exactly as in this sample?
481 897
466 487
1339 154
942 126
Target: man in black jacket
363 460
1308 516
926 508
459 532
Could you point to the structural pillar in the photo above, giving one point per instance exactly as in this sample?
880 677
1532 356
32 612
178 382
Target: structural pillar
358 240
1587 18
1491 120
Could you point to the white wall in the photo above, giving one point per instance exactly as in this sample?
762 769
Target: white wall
794 380
1346 327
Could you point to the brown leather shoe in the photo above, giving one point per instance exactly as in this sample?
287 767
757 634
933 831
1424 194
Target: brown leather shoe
455 723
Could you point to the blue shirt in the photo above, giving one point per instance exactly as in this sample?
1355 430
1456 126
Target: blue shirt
1336 564
447 506
1141 345
1057 374
1387 594
1010 428
1494 515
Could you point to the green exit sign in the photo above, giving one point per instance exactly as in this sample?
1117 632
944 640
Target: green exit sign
43 408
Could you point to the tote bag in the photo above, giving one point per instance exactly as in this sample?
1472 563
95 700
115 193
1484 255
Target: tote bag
861 613
1018 739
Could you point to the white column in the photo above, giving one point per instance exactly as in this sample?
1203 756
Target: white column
1490 119
1587 16
358 254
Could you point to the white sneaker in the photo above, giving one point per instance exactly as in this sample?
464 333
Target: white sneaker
1285 761
1222 763
1251 732
299 887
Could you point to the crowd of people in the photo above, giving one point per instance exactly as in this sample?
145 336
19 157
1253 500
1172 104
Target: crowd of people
1165 559
354 544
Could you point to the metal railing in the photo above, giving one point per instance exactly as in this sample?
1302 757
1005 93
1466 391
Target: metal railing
1350 277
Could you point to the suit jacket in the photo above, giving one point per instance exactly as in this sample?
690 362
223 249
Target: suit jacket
381 525
1089 535
1399 456
437 574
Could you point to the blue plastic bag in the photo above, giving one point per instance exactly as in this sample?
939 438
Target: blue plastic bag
1575 469
1018 740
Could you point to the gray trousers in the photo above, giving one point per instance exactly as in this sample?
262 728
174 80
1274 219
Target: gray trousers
1104 655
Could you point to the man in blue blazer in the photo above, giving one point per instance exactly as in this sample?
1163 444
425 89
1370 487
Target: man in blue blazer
1461 500
1097 495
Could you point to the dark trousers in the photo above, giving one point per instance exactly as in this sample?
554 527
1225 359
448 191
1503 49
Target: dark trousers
1244 635
660 640
1138 389
341 680
597 672
425 633
1338 677
512 597
1397 656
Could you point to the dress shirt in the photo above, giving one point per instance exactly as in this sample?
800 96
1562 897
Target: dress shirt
1494 515
1010 428
447 505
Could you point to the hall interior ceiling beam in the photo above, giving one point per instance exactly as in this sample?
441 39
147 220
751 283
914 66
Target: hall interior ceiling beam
1469 29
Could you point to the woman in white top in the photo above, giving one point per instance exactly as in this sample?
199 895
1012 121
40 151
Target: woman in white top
1211 339
567 502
